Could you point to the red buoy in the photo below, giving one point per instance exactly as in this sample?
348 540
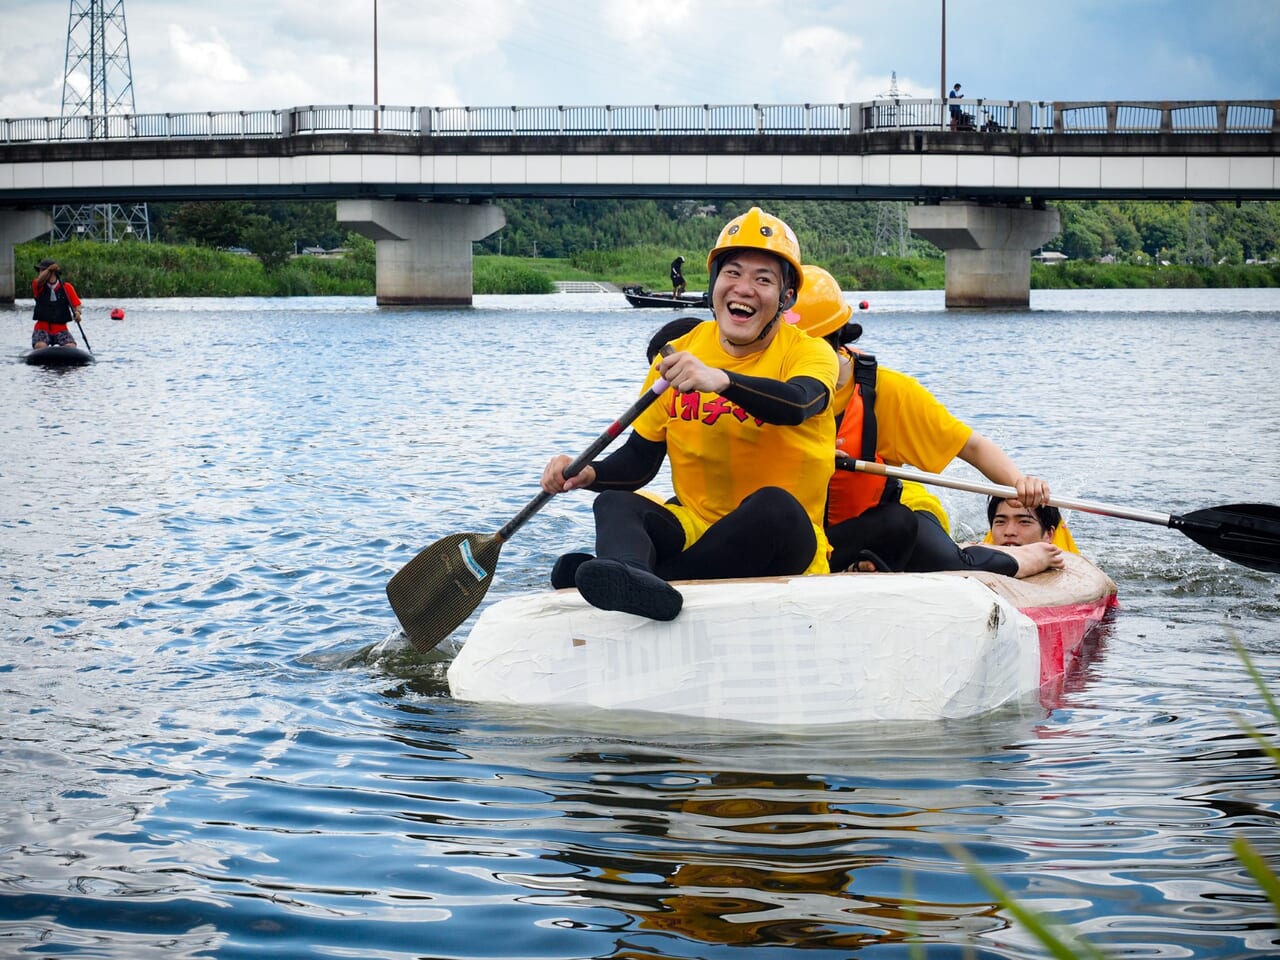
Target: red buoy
863 305
117 314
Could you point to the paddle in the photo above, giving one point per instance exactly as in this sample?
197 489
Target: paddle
81 329
1245 533
440 587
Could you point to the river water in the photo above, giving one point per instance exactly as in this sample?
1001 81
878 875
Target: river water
201 757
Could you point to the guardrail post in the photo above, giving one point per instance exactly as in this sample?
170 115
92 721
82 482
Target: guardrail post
1022 116
1275 116
285 122
1222 117
854 113
1166 118
1113 112
424 121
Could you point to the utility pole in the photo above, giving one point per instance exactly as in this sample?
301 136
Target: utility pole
943 79
97 83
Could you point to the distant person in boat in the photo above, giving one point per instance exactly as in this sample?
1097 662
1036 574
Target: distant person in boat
57 304
677 276
878 523
747 430
1013 525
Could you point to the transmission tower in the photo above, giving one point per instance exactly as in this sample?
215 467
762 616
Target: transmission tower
891 215
97 83
1197 248
891 229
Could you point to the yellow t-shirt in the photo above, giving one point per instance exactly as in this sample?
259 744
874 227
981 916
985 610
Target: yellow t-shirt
719 454
913 429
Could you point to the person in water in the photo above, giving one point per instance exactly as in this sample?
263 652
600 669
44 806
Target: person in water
878 523
57 304
1010 524
677 276
747 429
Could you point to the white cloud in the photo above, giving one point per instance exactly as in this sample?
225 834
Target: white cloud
251 54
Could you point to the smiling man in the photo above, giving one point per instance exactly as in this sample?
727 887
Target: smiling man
748 430
1013 525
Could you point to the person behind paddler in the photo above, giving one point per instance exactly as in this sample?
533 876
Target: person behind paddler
878 523
747 429
57 304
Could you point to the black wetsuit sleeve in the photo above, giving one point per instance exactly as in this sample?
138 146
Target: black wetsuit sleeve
631 466
785 403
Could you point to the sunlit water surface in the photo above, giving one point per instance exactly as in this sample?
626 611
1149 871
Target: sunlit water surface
200 758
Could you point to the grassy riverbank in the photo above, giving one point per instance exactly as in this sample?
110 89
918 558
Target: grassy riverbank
131 270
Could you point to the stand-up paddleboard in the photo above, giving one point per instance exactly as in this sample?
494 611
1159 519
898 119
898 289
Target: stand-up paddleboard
57 357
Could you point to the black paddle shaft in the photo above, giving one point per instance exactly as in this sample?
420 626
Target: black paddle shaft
87 345
576 467
439 588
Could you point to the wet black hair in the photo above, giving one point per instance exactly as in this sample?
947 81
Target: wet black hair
1049 517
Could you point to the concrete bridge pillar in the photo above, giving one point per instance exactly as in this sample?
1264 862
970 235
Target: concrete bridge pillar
988 249
423 249
18 226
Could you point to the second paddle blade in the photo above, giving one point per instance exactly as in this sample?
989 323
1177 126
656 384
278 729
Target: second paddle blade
1248 533
440 587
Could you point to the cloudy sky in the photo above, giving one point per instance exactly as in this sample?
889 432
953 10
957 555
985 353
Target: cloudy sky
264 54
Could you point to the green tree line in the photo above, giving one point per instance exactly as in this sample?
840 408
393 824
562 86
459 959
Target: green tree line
245 248
1180 232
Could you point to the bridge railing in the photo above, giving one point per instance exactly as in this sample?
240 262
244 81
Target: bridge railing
801 119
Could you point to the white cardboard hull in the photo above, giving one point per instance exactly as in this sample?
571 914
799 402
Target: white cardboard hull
801 650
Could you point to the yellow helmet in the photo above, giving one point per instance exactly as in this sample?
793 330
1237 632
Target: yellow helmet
821 304
759 231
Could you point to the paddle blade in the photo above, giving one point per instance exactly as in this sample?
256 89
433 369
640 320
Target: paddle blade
440 587
1246 533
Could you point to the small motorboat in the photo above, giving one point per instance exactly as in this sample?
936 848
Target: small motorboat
638 296
841 648
57 357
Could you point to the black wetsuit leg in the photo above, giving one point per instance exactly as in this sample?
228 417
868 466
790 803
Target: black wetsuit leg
888 530
767 535
935 550
634 529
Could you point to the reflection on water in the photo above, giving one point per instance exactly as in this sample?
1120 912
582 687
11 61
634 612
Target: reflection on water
201 760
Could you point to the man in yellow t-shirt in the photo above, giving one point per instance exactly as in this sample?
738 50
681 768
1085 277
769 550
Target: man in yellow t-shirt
748 430
887 527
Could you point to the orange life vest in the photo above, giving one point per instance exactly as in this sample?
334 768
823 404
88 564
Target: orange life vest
851 493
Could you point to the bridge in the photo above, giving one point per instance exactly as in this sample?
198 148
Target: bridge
421 180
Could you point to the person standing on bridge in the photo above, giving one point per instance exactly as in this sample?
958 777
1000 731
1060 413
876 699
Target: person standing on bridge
57 304
747 429
953 100
677 277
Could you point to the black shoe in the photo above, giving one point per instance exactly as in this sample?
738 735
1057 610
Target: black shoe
612 585
566 569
